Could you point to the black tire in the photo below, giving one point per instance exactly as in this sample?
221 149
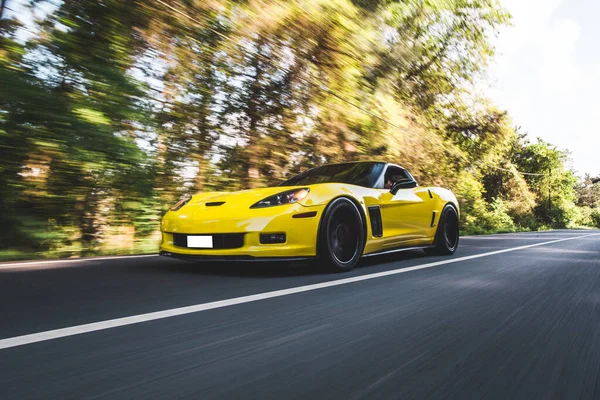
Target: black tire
341 238
447 234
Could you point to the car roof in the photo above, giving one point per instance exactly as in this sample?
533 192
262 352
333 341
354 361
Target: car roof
364 162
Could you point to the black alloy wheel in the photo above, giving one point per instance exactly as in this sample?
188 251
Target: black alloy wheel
451 230
341 235
447 234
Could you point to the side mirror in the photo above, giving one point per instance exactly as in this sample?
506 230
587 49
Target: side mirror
405 184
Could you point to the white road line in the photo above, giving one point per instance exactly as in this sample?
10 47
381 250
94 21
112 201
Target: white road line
68 260
136 319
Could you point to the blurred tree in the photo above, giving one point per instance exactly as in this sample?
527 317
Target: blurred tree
554 186
25 106
443 44
86 140
588 192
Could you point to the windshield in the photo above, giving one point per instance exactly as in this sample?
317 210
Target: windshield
359 173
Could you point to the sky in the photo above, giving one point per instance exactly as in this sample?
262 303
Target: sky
546 73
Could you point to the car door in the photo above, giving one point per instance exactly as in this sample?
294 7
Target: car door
406 214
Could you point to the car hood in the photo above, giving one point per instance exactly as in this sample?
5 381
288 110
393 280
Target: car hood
241 199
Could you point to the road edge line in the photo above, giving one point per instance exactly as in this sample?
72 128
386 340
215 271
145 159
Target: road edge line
17 265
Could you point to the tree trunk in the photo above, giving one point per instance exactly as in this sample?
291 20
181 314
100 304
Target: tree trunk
200 184
253 149
88 228
204 140
2 7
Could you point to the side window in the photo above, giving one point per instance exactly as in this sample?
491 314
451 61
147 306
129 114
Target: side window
393 175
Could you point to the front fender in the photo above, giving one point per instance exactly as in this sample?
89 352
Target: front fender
445 196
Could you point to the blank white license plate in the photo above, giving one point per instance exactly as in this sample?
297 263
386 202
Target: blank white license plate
200 242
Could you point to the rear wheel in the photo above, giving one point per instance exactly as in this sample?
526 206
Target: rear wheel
341 236
447 234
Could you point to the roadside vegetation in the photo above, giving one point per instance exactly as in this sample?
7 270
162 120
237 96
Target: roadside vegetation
111 110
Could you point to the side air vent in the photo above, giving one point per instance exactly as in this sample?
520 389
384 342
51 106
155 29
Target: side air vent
433 215
376 223
215 204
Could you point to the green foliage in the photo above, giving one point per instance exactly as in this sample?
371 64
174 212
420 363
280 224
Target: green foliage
595 216
498 218
479 216
113 109
584 217
588 193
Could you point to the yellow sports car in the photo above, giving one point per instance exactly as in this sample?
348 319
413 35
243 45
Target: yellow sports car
335 213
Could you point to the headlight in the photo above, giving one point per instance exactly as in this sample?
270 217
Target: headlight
287 197
184 200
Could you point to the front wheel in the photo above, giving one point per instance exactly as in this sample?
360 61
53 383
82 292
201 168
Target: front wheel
341 236
447 234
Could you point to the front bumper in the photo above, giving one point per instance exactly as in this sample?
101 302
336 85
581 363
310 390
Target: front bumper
301 233
227 258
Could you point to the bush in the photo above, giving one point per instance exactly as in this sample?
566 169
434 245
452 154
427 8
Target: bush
583 217
477 216
497 218
595 217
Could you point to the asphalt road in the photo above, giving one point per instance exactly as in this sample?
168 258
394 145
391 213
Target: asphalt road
523 323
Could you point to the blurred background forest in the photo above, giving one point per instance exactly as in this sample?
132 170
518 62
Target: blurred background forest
111 110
